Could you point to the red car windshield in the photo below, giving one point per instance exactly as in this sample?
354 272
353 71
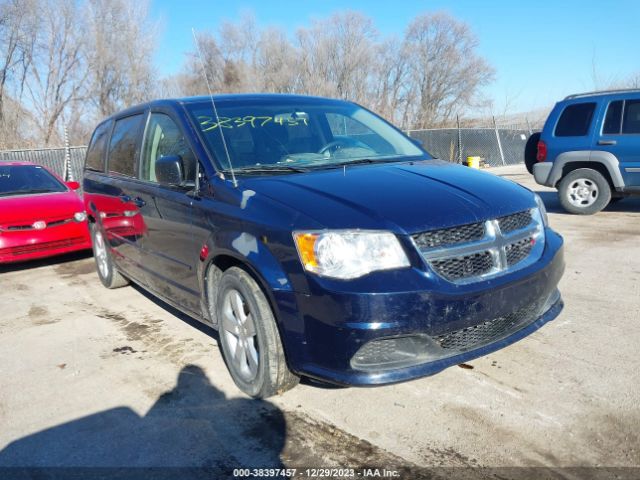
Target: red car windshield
27 179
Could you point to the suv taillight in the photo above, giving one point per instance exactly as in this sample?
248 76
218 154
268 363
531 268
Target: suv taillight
542 151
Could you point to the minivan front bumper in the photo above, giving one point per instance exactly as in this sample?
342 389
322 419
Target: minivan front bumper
379 338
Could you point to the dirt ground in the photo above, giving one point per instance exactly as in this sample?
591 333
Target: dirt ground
91 377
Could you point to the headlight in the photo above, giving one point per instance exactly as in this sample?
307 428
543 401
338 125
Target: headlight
347 254
543 210
79 216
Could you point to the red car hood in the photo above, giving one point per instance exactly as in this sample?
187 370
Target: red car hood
25 209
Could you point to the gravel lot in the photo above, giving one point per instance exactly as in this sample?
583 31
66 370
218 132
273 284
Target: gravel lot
113 378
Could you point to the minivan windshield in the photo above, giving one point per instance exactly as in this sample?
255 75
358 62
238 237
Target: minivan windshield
292 135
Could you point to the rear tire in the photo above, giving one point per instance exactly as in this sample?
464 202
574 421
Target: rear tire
584 191
531 151
249 337
107 271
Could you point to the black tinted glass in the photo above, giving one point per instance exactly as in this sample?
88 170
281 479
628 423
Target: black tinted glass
631 123
26 179
613 118
575 120
124 145
95 153
162 139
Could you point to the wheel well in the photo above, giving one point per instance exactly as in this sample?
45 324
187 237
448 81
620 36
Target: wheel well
597 166
222 263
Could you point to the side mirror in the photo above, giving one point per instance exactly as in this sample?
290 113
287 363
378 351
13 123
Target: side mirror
169 170
73 185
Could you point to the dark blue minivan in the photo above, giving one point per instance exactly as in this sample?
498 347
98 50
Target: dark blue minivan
317 238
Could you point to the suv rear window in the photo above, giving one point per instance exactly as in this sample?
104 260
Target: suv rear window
575 120
631 122
124 145
95 153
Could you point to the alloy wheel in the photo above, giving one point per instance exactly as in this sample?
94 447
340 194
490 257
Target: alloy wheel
239 332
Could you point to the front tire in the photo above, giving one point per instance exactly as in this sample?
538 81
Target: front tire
249 337
584 192
107 272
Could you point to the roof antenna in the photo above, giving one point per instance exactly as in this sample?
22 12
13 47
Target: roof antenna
215 110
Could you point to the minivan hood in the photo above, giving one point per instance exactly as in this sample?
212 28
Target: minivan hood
405 197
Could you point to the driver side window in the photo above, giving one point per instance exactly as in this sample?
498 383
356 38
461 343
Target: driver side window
163 138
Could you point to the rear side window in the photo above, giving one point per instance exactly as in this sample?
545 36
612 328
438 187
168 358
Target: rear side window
631 120
95 153
575 120
123 146
613 119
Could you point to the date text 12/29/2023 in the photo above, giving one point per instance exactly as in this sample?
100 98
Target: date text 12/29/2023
315 473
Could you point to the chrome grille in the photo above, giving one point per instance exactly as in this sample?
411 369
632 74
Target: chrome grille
450 236
477 251
517 221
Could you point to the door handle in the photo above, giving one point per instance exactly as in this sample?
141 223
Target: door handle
138 202
607 142
124 198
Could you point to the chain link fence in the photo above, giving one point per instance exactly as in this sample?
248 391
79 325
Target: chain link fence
496 145
52 158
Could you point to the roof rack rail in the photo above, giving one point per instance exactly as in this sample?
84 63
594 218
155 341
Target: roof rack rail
602 92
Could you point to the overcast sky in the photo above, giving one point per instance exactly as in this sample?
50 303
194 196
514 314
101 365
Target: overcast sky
542 50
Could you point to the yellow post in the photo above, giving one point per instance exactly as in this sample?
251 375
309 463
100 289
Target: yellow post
473 162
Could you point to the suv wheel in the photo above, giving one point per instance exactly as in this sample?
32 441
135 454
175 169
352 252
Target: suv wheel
531 151
109 275
584 191
249 337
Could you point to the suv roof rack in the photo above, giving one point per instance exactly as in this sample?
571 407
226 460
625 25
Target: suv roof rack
602 92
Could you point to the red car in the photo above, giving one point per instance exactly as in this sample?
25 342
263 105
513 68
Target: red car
40 215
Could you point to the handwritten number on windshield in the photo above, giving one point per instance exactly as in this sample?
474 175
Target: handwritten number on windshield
208 123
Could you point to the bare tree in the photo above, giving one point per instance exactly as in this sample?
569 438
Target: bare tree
633 81
338 55
229 58
445 70
238 44
193 80
56 76
389 83
81 60
276 66
120 45
18 23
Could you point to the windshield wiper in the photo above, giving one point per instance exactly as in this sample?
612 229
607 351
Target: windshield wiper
270 169
361 161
